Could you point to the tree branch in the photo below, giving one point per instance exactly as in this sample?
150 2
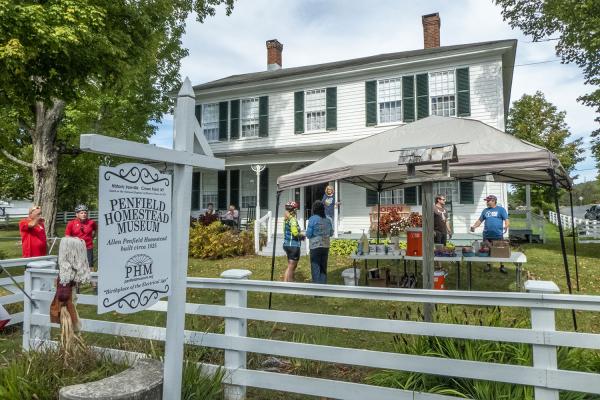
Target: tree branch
15 159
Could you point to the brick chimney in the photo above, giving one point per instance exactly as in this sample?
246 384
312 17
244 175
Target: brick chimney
274 50
431 30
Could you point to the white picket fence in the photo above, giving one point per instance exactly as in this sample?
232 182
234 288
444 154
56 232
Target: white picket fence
542 302
588 231
16 295
61 216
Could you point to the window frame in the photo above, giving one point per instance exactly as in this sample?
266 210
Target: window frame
241 124
401 121
204 114
455 94
305 112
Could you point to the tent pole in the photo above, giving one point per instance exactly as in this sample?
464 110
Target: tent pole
378 218
574 239
562 241
274 242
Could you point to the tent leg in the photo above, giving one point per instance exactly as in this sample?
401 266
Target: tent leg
562 241
574 240
378 217
274 242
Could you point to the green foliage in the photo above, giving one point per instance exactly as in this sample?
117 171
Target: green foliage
219 241
199 386
343 247
590 191
40 374
574 23
536 120
475 350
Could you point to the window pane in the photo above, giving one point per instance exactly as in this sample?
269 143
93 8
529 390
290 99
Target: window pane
315 109
442 91
210 121
389 96
209 189
248 188
249 115
448 189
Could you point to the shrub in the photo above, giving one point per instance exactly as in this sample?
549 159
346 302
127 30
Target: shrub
476 350
343 247
219 241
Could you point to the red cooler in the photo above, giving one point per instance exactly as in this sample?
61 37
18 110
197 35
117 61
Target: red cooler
414 242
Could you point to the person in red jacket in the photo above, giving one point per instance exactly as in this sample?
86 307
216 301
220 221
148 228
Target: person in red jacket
85 229
33 234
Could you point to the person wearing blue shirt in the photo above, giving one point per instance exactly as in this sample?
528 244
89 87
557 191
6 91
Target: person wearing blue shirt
329 202
291 239
319 232
496 223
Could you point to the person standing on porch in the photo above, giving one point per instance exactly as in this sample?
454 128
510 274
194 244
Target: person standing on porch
329 202
85 229
291 239
33 234
441 226
496 224
319 232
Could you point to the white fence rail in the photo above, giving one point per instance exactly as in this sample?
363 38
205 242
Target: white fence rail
543 374
266 221
61 216
15 295
588 231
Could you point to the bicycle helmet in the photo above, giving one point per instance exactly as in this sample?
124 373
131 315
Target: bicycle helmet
81 207
291 206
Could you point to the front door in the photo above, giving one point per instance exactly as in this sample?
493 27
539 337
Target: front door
312 194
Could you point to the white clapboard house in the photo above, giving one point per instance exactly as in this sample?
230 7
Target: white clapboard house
287 118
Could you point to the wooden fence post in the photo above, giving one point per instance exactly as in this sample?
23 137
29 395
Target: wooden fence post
235 327
543 319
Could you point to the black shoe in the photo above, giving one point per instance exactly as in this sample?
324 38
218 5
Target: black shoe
503 270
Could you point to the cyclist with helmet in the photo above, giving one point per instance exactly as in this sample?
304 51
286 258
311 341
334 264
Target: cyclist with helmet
85 229
291 239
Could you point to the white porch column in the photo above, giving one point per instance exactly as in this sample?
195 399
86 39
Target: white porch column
336 212
258 168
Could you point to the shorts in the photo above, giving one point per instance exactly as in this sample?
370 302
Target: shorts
440 238
292 252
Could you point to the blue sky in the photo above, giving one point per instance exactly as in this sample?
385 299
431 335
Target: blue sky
315 31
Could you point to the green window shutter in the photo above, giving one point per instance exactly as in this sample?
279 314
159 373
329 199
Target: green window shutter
264 189
371 198
331 101
408 98
371 103
410 195
222 190
234 121
422 96
263 116
234 188
467 194
299 112
196 191
463 93
223 106
198 112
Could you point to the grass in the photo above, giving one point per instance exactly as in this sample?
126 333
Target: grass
544 263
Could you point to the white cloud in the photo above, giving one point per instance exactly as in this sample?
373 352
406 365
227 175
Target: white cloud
315 31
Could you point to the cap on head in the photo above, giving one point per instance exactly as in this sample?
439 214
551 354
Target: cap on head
491 197
291 206
80 208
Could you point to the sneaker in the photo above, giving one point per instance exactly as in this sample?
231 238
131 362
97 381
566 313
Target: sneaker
487 268
503 270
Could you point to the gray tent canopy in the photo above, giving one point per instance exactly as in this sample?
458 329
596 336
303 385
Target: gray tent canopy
372 162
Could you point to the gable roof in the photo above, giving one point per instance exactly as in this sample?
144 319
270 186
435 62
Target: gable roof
266 76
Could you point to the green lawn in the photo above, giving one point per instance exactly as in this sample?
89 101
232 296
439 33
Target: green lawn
544 263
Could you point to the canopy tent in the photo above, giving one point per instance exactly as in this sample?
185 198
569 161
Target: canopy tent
482 151
372 162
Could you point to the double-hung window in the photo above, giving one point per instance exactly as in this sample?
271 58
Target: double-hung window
315 110
395 196
248 188
389 99
210 121
442 92
250 117
448 189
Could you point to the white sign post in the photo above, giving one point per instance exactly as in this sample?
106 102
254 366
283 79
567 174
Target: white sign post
134 237
184 158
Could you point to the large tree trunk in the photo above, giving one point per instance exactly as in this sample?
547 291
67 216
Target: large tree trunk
45 159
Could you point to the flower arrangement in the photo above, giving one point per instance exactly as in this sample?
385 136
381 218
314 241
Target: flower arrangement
399 226
393 223
416 220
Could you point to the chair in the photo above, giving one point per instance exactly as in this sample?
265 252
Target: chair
250 216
